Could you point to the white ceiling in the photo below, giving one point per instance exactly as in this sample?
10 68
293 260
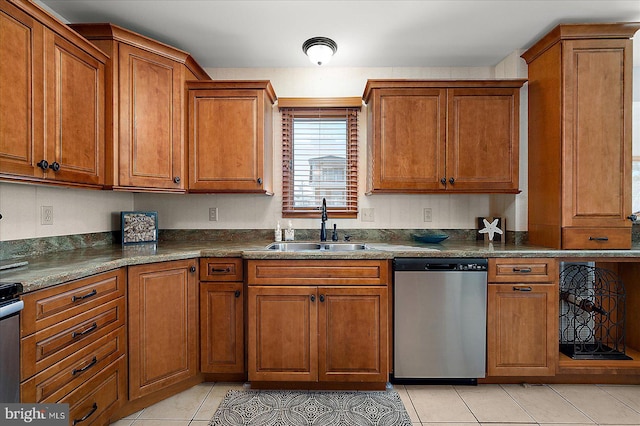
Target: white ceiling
382 33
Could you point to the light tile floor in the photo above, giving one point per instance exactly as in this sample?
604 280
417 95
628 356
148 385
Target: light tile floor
494 405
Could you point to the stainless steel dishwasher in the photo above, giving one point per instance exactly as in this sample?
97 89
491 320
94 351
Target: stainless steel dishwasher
10 307
440 317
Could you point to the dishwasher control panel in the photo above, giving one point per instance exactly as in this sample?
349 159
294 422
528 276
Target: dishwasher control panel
443 264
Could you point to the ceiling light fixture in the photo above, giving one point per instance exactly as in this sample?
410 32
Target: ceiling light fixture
319 49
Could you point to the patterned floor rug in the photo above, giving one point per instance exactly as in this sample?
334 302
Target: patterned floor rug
307 408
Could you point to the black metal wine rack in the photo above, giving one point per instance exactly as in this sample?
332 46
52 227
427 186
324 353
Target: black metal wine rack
592 313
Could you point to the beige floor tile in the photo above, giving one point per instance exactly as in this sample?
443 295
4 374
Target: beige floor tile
598 404
490 403
439 404
133 415
544 405
628 394
406 401
123 422
208 407
182 406
199 423
450 424
221 388
510 424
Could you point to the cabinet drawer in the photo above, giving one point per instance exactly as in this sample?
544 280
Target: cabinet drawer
99 397
44 348
596 238
511 270
53 305
318 272
220 269
63 377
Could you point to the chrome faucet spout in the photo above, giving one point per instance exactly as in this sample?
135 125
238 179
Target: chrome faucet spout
323 225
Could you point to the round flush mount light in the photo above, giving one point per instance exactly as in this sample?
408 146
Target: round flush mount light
319 49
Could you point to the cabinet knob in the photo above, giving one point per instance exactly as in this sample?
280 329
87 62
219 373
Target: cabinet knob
443 181
237 293
176 179
259 181
43 164
192 269
313 297
322 297
451 181
55 166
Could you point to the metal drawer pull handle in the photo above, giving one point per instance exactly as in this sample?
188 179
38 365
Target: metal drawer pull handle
522 289
86 296
93 410
598 238
522 270
93 362
82 333
221 270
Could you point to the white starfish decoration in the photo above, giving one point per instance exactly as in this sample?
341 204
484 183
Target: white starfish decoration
490 228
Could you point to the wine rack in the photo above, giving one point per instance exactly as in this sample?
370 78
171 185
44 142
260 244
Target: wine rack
592 313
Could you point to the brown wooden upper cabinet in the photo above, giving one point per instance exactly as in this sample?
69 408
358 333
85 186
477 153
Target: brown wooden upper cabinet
580 137
145 149
230 136
433 136
52 100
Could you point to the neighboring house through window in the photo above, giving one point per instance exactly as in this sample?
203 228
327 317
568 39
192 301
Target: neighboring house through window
320 156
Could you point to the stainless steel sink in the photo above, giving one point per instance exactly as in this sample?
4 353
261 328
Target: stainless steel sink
306 246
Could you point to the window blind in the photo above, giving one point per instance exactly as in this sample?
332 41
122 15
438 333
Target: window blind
320 160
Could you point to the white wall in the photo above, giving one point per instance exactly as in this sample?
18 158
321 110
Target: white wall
75 211
390 211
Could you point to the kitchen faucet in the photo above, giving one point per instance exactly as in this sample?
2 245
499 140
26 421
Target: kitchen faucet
323 226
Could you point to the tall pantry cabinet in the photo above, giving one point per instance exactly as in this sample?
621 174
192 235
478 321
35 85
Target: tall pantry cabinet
580 136
146 136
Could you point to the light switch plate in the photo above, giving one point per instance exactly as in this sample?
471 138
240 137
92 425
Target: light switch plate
427 214
213 214
367 215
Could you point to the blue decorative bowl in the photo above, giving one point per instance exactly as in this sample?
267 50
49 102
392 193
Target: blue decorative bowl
430 238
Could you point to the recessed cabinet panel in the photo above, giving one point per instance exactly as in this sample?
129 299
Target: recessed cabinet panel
75 108
21 107
410 148
150 139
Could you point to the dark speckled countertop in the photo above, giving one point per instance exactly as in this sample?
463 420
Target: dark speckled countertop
55 268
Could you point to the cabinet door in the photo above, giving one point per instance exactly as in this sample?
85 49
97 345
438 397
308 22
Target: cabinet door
353 334
221 328
597 135
408 139
482 139
282 331
74 113
163 325
522 329
21 96
226 140
151 148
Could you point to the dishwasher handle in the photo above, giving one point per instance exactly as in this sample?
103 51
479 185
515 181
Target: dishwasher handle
441 266
11 308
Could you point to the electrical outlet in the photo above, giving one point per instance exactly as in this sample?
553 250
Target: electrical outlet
213 214
367 215
46 215
427 214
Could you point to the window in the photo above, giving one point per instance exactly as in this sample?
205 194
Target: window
319 158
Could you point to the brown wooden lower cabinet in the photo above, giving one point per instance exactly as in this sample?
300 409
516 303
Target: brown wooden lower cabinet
163 325
314 333
522 317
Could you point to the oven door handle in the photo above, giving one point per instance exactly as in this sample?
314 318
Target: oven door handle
11 308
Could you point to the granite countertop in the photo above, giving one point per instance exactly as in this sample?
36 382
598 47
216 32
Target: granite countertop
55 268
